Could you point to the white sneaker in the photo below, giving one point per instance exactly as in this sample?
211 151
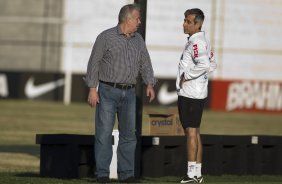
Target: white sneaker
200 179
186 179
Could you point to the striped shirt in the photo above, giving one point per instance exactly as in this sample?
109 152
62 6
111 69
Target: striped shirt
118 59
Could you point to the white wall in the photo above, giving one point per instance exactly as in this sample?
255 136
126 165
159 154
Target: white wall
84 20
246 34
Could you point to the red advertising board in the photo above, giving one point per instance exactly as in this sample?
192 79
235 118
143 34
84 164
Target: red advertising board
246 95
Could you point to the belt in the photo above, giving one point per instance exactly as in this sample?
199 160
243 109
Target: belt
119 85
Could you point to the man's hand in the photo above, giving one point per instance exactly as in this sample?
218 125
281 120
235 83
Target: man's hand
150 92
93 97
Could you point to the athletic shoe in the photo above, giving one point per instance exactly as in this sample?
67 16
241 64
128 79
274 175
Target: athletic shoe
103 179
186 179
200 179
129 180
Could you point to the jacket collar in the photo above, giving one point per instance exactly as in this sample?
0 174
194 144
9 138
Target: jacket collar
191 38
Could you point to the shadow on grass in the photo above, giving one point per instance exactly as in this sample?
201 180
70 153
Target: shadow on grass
92 179
28 174
36 178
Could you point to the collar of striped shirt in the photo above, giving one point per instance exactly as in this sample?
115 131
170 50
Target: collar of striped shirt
121 33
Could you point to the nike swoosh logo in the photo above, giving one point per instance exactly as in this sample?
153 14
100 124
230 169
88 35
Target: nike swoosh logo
189 181
33 91
165 97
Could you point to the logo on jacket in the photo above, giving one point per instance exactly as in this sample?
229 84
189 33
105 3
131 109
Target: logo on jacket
195 49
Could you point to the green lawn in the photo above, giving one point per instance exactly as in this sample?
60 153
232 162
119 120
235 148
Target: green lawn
20 121
33 178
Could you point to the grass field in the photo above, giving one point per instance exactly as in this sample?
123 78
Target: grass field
20 121
33 178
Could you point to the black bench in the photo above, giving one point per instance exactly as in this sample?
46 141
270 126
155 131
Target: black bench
66 155
71 156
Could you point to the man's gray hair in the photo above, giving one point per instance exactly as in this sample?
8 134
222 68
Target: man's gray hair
199 15
126 11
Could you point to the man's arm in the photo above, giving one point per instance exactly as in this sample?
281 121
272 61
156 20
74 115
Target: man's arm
147 72
146 68
202 62
213 64
91 78
93 66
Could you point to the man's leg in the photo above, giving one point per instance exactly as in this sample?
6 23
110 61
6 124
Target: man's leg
199 158
190 114
105 119
192 148
200 147
127 135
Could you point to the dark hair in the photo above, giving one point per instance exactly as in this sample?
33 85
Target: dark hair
199 15
126 11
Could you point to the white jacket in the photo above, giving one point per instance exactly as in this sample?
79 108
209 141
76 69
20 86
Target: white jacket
196 62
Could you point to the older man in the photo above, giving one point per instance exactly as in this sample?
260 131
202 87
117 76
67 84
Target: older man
118 55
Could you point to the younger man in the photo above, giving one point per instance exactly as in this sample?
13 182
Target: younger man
192 88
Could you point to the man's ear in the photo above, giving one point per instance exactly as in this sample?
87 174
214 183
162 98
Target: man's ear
199 25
